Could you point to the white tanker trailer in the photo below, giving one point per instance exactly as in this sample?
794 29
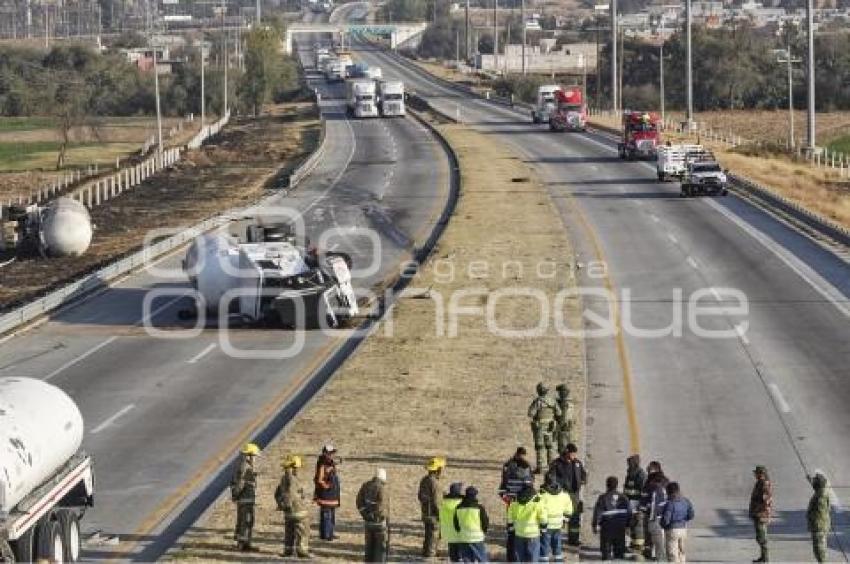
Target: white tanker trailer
258 272
62 228
46 482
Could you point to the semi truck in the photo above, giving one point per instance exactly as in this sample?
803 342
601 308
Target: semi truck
391 98
570 113
641 135
46 480
545 103
361 98
258 271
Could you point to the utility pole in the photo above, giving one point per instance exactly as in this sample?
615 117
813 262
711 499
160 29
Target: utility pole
203 91
622 59
688 66
158 111
496 36
259 13
614 82
457 48
787 58
810 75
661 76
467 36
524 26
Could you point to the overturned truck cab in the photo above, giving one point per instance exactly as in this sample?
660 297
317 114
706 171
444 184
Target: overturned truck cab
260 273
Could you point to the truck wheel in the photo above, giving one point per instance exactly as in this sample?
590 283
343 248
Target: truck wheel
660 176
24 547
50 545
69 524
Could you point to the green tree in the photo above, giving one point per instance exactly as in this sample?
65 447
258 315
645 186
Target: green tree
263 70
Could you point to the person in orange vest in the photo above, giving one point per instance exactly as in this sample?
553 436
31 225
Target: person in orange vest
327 491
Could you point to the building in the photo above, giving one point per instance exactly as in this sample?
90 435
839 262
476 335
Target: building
575 58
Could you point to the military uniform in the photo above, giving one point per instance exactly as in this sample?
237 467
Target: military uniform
818 517
373 503
430 496
291 499
243 488
564 421
761 508
543 411
633 490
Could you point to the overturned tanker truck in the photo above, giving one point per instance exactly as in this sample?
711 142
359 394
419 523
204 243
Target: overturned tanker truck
257 271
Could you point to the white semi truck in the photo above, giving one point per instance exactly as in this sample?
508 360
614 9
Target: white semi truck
391 98
361 98
545 105
46 481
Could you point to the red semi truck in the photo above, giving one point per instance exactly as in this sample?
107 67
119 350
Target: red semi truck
641 135
570 111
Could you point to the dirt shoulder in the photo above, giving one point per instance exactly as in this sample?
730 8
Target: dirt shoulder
410 392
238 167
817 189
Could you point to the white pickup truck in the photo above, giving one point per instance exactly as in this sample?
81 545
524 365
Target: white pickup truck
46 481
672 160
704 176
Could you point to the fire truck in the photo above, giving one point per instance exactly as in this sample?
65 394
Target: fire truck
570 112
641 136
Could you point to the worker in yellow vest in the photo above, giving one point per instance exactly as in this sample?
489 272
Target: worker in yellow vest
527 519
471 524
447 520
559 506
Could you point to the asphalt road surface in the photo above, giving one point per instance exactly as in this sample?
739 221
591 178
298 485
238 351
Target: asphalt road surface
773 391
165 407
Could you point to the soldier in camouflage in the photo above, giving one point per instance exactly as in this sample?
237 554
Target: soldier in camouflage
564 421
543 412
818 516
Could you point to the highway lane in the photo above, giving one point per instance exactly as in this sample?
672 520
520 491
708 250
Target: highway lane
162 411
709 408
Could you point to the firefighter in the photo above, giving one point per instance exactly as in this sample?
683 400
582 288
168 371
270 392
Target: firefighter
430 496
611 514
327 491
373 504
243 489
292 500
633 490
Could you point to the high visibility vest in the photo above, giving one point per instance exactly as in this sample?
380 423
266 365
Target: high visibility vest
557 506
447 519
527 518
469 521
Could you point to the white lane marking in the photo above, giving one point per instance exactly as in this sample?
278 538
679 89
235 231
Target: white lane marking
716 294
781 404
791 262
79 358
655 218
692 262
672 238
741 330
208 349
108 423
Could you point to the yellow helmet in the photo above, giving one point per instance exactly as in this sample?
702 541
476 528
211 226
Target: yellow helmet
292 461
251 449
436 463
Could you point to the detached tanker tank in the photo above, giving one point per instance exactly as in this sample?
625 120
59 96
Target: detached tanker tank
46 482
64 228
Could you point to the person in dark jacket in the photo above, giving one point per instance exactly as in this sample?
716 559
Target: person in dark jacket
517 474
678 512
652 504
471 524
327 491
569 472
611 515
633 490
761 509
430 496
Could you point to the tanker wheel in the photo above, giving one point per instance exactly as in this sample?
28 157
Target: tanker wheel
50 543
69 524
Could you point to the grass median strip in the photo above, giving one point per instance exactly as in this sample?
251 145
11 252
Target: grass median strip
423 385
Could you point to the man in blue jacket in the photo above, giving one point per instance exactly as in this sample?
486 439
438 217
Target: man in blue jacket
677 514
610 516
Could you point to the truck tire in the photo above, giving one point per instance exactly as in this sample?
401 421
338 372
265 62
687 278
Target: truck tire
661 176
49 537
24 547
69 524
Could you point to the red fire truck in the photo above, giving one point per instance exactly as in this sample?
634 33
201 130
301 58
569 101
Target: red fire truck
641 135
570 111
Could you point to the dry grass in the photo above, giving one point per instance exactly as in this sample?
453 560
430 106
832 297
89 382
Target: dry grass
235 171
411 395
819 190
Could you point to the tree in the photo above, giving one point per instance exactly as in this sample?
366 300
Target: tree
263 73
